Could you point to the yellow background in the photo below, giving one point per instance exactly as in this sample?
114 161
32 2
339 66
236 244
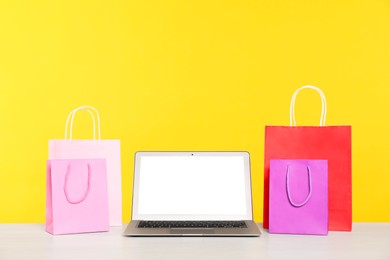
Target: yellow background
190 75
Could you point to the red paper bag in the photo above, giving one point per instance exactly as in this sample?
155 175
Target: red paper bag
332 143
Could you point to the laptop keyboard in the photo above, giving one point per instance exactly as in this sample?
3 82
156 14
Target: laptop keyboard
192 224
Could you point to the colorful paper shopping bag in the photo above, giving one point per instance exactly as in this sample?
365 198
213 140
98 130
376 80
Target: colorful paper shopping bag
332 143
76 196
96 148
298 197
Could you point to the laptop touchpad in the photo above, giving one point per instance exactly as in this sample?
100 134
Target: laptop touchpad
192 231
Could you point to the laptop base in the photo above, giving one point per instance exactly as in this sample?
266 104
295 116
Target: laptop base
252 230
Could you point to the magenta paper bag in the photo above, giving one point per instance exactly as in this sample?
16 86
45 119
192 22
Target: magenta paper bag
69 148
76 196
298 197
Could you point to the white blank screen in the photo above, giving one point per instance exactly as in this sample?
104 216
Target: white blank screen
192 185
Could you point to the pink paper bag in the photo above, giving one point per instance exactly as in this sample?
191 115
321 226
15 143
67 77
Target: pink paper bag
298 197
76 196
95 148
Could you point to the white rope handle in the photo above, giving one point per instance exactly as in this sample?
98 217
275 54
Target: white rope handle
292 105
71 116
87 108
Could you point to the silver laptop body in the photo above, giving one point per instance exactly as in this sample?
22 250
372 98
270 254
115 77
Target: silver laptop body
192 194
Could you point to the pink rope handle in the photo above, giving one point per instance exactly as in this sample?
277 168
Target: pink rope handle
66 186
297 205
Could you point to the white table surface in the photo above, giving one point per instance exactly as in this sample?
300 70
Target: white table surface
368 241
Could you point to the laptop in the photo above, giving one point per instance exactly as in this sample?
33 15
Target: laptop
192 194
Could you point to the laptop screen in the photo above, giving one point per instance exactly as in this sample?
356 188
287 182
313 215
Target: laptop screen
192 186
